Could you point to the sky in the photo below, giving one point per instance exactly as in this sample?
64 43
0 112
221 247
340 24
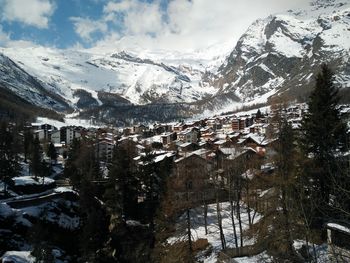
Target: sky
181 25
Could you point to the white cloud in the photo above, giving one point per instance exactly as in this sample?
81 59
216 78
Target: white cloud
6 41
185 25
4 37
181 25
29 12
138 18
86 27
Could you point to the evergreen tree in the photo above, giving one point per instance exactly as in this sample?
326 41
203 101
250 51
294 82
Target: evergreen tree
52 153
36 158
122 190
284 221
94 231
27 142
258 114
323 137
70 167
9 165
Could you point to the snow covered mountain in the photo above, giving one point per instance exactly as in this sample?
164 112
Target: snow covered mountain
27 87
277 55
280 54
138 80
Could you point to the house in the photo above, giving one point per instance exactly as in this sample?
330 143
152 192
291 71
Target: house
68 134
55 136
254 140
105 149
190 181
188 135
138 129
40 134
338 238
188 147
168 138
42 131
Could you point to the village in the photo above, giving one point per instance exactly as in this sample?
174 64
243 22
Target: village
226 159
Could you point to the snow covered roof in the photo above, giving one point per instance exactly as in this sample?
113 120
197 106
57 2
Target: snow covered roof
29 180
220 142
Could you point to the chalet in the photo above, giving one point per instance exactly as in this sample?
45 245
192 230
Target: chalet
235 124
254 140
227 127
193 124
237 158
210 135
190 181
223 143
188 135
259 128
138 129
168 138
338 238
188 147
234 136
179 127
215 124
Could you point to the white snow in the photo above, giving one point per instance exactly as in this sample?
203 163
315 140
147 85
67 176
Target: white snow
30 180
18 257
339 227
286 46
213 236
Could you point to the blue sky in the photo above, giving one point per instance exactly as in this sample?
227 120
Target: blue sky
151 24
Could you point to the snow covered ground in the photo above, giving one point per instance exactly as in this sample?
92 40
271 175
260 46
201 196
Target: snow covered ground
18 257
213 236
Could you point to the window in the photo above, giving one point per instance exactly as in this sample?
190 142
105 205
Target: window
189 185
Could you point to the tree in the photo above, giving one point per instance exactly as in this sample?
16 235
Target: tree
70 167
52 153
36 158
27 142
9 165
258 114
284 179
94 231
323 137
122 188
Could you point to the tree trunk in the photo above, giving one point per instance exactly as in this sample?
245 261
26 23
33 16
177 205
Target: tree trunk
238 211
233 223
188 218
222 236
287 229
206 217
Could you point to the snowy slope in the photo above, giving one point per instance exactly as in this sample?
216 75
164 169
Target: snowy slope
27 87
159 77
282 52
277 55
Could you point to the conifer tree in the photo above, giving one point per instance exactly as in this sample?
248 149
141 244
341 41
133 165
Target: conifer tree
27 142
52 153
36 158
9 165
70 168
323 137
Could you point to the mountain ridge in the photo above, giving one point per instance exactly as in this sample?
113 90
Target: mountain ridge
276 56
